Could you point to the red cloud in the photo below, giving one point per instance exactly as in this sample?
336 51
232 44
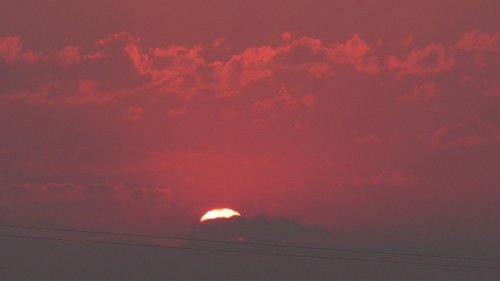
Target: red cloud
68 56
30 57
287 36
242 69
66 93
430 60
135 113
407 41
354 51
172 70
374 138
320 70
91 204
303 54
119 66
464 134
182 70
493 90
121 36
420 94
309 54
475 40
308 100
176 112
218 42
303 50
179 54
285 99
95 56
10 47
391 178
141 62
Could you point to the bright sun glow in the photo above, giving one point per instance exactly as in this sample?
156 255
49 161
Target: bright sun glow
219 213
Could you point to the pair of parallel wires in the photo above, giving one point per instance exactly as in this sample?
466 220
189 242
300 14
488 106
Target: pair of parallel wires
444 260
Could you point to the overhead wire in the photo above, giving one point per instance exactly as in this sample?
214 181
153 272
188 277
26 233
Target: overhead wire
116 243
244 243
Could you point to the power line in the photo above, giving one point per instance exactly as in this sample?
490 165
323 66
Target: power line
247 252
249 243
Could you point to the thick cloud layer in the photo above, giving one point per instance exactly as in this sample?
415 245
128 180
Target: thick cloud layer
296 119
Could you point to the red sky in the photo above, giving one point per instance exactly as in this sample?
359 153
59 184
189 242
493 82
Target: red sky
374 120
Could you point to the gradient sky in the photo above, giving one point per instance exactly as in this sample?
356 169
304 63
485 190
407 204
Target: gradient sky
377 122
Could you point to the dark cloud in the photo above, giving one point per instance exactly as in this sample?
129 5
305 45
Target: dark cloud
260 229
103 205
464 134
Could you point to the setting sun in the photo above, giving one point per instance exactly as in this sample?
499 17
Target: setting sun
219 214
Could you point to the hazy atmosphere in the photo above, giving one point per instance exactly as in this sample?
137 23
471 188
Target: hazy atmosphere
361 126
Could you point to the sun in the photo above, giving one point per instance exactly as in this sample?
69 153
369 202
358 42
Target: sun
221 213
